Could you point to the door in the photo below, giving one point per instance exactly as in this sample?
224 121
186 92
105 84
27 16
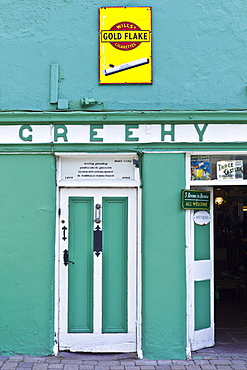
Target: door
98 239
200 281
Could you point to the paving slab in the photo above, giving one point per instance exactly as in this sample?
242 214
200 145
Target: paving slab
90 363
145 362
127 363
71 367
108 363
164 362
162 367
25 365
40 366
16 358
220 361
34 359
53 360
9 365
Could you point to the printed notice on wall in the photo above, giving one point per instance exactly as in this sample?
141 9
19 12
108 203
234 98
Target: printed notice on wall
94 169
125 45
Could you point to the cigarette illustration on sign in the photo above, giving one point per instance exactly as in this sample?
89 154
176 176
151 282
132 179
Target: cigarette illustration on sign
123 67
125 45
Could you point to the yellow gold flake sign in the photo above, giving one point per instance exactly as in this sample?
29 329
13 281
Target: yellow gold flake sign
125 45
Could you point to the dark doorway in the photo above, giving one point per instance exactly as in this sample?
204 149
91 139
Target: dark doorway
230 245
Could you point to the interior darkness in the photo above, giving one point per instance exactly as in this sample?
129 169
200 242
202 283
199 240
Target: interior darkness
230 245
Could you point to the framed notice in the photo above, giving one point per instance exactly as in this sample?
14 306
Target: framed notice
93 168
230 169
125 45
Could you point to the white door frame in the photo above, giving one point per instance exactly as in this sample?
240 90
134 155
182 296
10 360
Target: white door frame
117 184
200 184
96 341
199 271
193 268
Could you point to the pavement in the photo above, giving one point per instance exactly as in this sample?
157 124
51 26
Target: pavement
229 353
207 359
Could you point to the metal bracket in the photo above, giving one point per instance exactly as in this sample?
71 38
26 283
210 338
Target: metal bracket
97 241
66 258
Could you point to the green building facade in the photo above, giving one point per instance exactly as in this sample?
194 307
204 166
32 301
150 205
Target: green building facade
98 252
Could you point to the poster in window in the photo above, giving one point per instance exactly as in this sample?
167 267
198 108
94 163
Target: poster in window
230 170
200 167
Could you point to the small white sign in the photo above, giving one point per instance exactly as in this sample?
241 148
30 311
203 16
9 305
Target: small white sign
95 168
202 218
231 169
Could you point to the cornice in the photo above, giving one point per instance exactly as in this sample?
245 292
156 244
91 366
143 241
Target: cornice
122 117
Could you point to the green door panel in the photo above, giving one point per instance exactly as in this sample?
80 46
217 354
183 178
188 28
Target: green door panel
114 265
202 304
202 288
80 280
202 242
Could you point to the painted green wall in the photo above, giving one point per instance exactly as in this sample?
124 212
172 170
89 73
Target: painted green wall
27 227
164 285
199 55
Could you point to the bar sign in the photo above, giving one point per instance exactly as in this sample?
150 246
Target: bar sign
195 199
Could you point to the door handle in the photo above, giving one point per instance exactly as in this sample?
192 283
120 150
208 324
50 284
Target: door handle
66 258
97 213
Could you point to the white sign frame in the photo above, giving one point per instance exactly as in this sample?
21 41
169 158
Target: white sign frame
123 133
116 181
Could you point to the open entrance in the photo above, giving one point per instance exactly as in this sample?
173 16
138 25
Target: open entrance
230 266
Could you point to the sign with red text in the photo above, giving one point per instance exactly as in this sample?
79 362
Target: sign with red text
125 45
